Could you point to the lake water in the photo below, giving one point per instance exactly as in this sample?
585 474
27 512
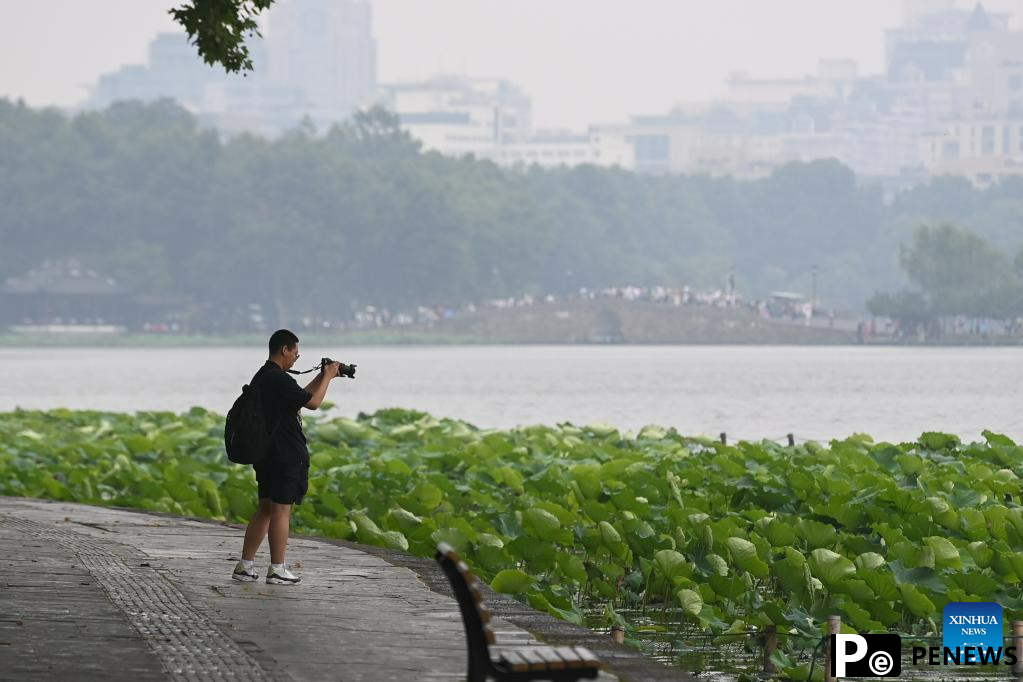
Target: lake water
816 393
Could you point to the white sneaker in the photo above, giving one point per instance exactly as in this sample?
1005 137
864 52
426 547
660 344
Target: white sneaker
246 575
281 576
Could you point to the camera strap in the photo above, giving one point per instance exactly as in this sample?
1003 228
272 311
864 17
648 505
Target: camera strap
295 371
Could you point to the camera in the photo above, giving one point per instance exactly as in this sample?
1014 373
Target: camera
343 371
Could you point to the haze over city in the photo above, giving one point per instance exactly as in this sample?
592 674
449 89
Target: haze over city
692 322
803 161
582 61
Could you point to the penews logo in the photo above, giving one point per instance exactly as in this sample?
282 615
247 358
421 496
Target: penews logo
971 630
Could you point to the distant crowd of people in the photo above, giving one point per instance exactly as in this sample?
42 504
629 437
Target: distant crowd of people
780 307
793 308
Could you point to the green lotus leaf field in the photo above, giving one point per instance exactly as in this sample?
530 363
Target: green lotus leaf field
577 520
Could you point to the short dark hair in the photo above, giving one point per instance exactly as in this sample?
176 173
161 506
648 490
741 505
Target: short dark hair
280 339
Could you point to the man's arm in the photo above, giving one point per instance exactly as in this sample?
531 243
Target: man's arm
318 386
314 385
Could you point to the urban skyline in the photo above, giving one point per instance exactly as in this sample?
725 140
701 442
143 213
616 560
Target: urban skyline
948 100
580 60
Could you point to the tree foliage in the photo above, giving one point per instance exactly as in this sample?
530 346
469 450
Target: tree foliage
955 271
219 29
947 261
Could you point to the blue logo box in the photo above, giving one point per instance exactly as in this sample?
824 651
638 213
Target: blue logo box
972 624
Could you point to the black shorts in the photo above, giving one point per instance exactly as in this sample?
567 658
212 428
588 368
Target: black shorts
283 483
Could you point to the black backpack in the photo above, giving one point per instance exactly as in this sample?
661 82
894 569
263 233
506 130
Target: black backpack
246 435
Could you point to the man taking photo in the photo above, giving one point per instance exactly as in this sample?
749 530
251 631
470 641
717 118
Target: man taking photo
282 478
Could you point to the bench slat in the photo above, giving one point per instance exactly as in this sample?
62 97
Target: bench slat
568 655
488 635
536 662
514 661
550 657
587 656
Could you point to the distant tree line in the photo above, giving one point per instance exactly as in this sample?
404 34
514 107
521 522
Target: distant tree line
321 223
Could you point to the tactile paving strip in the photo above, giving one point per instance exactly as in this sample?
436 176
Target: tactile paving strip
189 646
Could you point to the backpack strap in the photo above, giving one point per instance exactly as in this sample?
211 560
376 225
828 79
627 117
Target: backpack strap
279 418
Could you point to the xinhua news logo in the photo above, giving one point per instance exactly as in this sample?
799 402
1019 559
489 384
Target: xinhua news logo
972 629
866 655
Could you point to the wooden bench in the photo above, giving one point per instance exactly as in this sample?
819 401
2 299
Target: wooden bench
506 663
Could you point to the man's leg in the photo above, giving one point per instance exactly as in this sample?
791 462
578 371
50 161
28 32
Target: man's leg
280 521
257 529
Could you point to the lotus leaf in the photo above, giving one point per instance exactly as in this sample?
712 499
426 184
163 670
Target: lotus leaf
423 498
982 554
452 536
945 553
671 564
572 567
604 589
540 523
489 540
712 564
975 584
868 561
492 559
830 567
881 583
405 519
609 536
601 430
690 601
778 532
816 534
744 555
939 441
998 439
973 524
916 601
859 617
512 581
540 554
727 587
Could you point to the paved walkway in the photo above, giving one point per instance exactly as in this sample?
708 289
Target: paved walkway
90 592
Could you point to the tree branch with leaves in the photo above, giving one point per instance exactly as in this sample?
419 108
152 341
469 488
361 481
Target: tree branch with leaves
219 29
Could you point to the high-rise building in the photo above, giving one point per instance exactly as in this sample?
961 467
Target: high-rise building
173 71
933 47
324 48
491 119
914 10
318 61
1013 8
457 116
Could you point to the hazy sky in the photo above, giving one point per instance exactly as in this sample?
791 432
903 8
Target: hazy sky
581 61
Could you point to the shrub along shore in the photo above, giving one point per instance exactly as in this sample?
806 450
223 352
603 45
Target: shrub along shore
711 538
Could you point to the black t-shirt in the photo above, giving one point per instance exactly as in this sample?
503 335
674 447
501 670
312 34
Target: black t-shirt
283 398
